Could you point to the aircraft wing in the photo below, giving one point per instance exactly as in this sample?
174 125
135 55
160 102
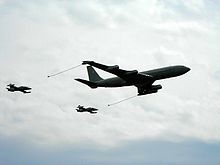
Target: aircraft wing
126 75
24 88
92 109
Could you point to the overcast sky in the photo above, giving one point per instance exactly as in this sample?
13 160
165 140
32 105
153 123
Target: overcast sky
179 125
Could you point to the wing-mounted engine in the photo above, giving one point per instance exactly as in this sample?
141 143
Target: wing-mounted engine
151 89
131 73
112 68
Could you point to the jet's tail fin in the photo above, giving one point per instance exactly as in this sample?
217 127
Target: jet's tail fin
89 83
93 75
93 78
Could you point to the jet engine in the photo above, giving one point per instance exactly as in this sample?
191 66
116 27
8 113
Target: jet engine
157 87
132 72
152 89
87 62
111 68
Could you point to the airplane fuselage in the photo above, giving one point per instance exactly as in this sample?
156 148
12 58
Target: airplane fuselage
157 74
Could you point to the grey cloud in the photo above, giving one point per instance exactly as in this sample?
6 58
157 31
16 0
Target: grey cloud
14 151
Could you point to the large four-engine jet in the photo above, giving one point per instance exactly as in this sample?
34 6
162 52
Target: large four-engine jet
13 88
142 80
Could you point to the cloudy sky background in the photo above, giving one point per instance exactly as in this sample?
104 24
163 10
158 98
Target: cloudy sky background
178 125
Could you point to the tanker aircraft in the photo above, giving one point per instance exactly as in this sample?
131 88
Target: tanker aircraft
142 80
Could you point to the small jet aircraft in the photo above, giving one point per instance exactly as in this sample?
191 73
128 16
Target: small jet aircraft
13 88
142 80
89 109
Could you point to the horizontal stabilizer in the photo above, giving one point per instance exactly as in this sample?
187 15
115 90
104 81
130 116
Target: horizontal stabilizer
89 83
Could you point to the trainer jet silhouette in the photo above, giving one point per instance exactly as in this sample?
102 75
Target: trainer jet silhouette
89 109
13 88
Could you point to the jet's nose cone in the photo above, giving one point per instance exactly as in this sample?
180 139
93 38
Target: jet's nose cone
184 69
187 69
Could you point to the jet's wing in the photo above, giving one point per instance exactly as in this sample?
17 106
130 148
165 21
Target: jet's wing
126 75
24 88
91 109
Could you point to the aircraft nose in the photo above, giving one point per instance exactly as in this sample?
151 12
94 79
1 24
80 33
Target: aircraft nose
187 69
184 69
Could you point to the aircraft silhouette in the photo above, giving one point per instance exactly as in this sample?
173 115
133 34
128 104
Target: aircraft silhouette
89 109
142 80
13 88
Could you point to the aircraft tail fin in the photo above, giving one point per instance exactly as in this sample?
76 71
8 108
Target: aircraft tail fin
89 83
93 75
